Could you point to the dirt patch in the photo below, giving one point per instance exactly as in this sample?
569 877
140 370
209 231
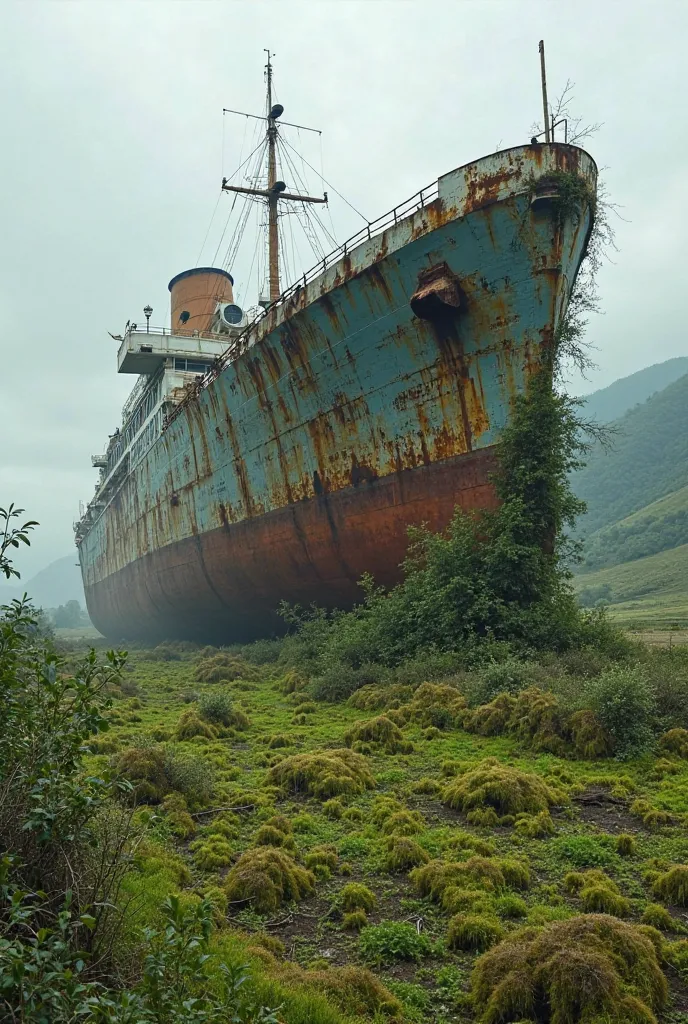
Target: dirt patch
598 807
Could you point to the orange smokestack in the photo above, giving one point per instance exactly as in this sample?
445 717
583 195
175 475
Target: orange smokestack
194 295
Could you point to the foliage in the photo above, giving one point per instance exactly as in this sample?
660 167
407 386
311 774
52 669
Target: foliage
267 877
11 536
493 576
675 741
393 940
324 773
625 705
219 709
589 967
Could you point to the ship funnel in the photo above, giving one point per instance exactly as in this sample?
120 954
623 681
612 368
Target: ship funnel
194 295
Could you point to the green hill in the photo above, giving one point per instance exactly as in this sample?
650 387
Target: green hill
659 526
612 402
653 589
647 461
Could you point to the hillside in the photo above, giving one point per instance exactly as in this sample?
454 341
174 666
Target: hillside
653 589
658 527
612 402
648 460
58 583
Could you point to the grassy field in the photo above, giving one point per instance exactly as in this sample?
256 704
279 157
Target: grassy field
650 590
244 793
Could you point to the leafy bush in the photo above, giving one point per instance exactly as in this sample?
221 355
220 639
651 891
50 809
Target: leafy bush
510 676
393 940
219 709
623 701
324 773
587 967
266 877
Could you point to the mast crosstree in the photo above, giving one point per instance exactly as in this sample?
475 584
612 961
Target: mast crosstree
276 190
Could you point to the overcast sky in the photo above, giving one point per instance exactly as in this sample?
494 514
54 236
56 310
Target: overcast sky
112 151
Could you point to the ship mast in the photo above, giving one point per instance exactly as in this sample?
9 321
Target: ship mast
275 190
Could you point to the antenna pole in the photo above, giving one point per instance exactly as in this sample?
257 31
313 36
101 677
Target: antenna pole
273 236
543 76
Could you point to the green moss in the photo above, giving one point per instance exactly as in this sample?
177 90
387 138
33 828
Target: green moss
354 921
333 808
535 826
507 790
268 835
675 741
591 967
672 886
222 667
626 845
427 786
404 823
323 773
212 852
403 853
378 732
267 877
473 932
659 917
322 857
356 896
190 724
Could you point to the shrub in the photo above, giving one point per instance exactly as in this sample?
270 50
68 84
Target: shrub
262 652
473 932
584 850
393 940
585 968
404 853
340 680
267 877
672 885
675 741
219 709
356 896
323 773
624 703
377 732
508 676
507 790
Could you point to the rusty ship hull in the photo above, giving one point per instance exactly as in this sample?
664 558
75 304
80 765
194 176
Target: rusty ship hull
300 462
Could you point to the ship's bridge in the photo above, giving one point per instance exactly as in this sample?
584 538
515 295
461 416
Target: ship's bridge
145 351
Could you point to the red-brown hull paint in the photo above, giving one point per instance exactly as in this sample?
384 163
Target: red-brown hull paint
228 582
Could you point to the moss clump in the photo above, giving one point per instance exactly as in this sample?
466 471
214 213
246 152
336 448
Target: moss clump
597 892
659 917
535 826
404 853
675 741
672 885
356 896
378 732
590 967
355 990
212 852
382 808
268 835
625 845
323 774
535 717
435 705
353 814
473 932
218 709
404 823
267 877
223 667
190 724
490 874
375 696
333 808
177 811
474 901
322 861
510 906
427 786
291 682
279 739
354 921
507 790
